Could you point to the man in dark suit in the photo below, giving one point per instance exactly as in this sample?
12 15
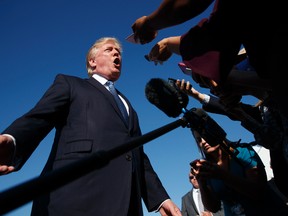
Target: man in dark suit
87 120
192 203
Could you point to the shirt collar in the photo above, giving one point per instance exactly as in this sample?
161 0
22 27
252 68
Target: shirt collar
196 190
100 79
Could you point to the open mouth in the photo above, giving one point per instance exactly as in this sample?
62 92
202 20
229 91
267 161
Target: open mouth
117 62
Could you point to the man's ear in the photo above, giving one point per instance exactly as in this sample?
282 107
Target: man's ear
92 63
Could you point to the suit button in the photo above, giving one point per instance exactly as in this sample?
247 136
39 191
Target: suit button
128 157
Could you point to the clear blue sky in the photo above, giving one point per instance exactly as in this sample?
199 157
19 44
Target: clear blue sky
40 39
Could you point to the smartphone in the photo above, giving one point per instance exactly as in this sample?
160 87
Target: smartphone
194 162
131 39
185 69
173 81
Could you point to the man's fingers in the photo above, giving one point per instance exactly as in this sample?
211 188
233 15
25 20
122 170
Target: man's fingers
6 169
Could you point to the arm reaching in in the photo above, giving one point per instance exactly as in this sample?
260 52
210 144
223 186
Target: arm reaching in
169 13
164 49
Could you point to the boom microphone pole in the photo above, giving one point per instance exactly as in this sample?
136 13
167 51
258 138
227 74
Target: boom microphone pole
27 191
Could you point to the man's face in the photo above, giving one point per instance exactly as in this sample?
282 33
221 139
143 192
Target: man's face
193 180
108 61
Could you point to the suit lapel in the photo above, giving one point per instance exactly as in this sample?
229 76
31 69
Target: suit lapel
109 96
192 201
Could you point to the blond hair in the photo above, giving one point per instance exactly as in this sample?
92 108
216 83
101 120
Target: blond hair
94 48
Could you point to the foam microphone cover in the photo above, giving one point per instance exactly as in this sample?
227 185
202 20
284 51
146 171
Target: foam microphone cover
207 127
166 96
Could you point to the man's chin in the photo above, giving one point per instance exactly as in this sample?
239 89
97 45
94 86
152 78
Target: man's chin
116 75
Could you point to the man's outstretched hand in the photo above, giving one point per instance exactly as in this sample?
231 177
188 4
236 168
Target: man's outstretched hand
7 149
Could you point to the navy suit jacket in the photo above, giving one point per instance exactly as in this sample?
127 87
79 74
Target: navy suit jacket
87 120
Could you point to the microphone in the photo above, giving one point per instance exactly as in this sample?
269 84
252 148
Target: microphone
206 126
166 96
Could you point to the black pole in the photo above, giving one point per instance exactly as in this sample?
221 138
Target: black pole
19 195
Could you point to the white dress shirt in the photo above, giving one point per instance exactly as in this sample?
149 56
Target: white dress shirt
102 80
197 199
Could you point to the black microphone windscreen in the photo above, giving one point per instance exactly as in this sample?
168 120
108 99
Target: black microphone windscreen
207 127
166 96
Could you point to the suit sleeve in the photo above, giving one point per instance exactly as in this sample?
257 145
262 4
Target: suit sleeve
155 193
31 128
214 106
183 207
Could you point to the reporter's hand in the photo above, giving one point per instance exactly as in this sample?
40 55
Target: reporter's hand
160 52
142 31
187 88
7 149
203 170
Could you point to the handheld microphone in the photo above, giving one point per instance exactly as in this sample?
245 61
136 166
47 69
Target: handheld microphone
166 96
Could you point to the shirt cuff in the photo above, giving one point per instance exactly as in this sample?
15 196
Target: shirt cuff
161 205
206 99
14 153
8 135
